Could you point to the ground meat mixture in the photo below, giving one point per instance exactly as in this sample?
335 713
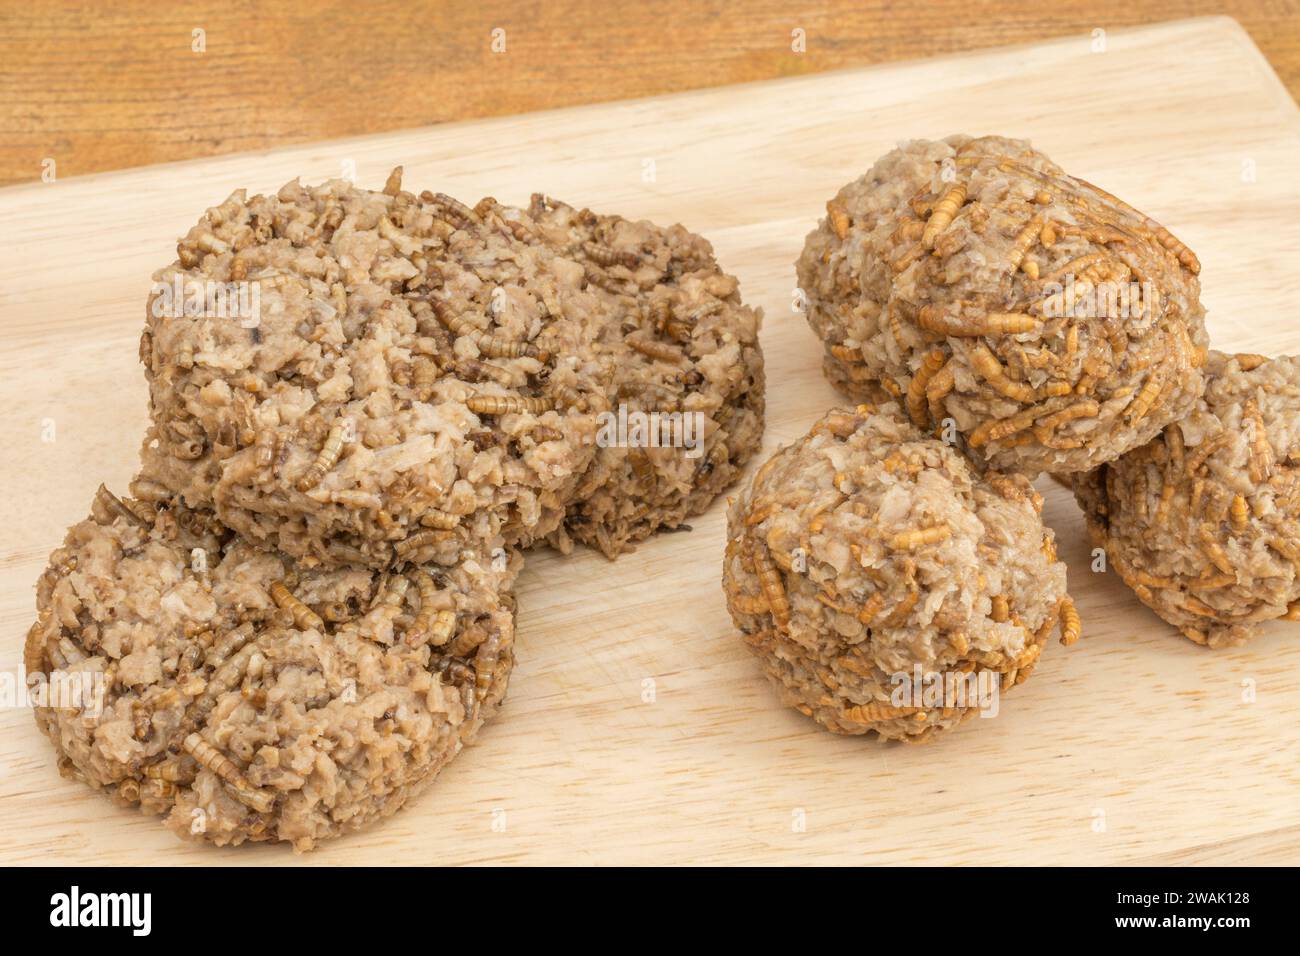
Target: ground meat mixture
687 361
867 558
974 281
416 370
248 698
1203 522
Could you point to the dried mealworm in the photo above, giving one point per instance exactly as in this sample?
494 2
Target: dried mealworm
920 537
846 353
932 318
477 370
660 351
1240 513
1261 452
326 460
917 407
987 365
944 212
488 344
872 607
112 506
769 579
1145 398
229 644
210 758
839 218
508 405
1071 626
428 538
304 618
605 256
1025 241
1001 610
455 211
442 520
877 710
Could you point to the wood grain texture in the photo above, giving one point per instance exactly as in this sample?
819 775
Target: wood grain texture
637 727
118 85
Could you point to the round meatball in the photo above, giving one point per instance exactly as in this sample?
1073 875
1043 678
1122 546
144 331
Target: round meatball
343 375
883 585
687 401
248 698
1051 325
1203 522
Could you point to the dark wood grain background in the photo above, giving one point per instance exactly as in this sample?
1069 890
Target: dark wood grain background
122 85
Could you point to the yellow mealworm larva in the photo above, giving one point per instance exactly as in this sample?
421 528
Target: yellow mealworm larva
839 218
172 771
428 624
1024 241
937 390
1001 610
210 758
769 579
1213 550
1261 452
661 351
327 459
1170 242
917 406
508 405
453 209
478 370
229 644
847 353
606 256
1240 513
1085 409
1071 626
1204 450
944 212
441 520
984 362
920 537
427 538
304 618
932 318
1145 398
877 710
872 607
488 344
569 397
113 506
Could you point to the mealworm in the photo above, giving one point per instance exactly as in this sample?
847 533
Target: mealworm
984 362
1203 451
1171 242
428 538
229 644
1071 626
932 318
1240 513
1024 241
944 212
876 710
422 628
1085 409
442 520
1213 550
1261 452
478 370
112 506
660 351
393 184
453 210
847 353
485 663
171 771
488 344
839 218
508 405
920 537
210 758
569 397
326 460
304 618
1001 610
769 580
605 256
1145 398
917 406
872 607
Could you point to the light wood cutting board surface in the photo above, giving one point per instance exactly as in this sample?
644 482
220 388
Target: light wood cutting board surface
637 728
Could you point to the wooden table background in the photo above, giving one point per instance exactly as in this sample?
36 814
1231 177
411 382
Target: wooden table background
122 86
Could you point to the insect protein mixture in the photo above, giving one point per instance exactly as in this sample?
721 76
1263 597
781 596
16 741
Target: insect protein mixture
1203 522
419 375
972 279
685 352
867 550
250 699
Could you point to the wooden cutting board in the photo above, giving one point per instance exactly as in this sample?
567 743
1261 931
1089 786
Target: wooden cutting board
637 728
